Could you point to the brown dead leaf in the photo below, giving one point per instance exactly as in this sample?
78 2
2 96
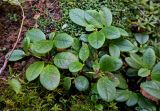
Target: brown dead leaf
148 96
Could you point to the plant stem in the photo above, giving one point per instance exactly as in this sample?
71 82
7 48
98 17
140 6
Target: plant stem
18 38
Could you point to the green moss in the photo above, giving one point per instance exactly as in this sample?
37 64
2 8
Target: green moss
83 103
126 13
32 98
35 98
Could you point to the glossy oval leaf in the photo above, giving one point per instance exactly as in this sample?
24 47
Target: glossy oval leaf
42 46
78 16
122 95
76 44
132 100
106 89
111 32
90 27
75 66
152 88
16 55
35 35
124 45
67 83
63 40
84 52
81 83
52 35
137 59
64 59
149 58
155 74
114 50
15 85
83 37
50 77
26 44
146 104
132 63
141 38
96 39
34 70
107 15
123 32
92 17
108 63
122 82
143 72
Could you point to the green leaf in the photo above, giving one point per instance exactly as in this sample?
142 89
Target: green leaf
42 47
16 55
52 35
108 63
64 59
83 37
132 100
63 40
90 27
123 32
84 52
96 39
132 63
155 74
107 15
137 59
114 50
152 88
15 85
106 89
81 83
149 58
92 17
50 77
34 70
26 44
141 38
35 35
76 44
124 45
75 66
78 16
123 83
111 32
34 53
122 95
143 72
99 107
146 104
67 83
102 18
114 79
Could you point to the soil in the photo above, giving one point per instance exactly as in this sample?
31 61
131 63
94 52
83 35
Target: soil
9 28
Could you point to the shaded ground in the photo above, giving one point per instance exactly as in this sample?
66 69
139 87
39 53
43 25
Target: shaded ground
10 19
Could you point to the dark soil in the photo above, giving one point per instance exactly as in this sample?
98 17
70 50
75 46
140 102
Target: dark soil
9 28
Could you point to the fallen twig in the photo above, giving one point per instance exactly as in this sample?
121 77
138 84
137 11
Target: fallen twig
18 38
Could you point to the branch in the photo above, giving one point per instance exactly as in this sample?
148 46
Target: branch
18 38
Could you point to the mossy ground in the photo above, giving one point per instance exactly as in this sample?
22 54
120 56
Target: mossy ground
132 15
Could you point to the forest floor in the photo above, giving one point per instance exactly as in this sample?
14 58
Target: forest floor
50 16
